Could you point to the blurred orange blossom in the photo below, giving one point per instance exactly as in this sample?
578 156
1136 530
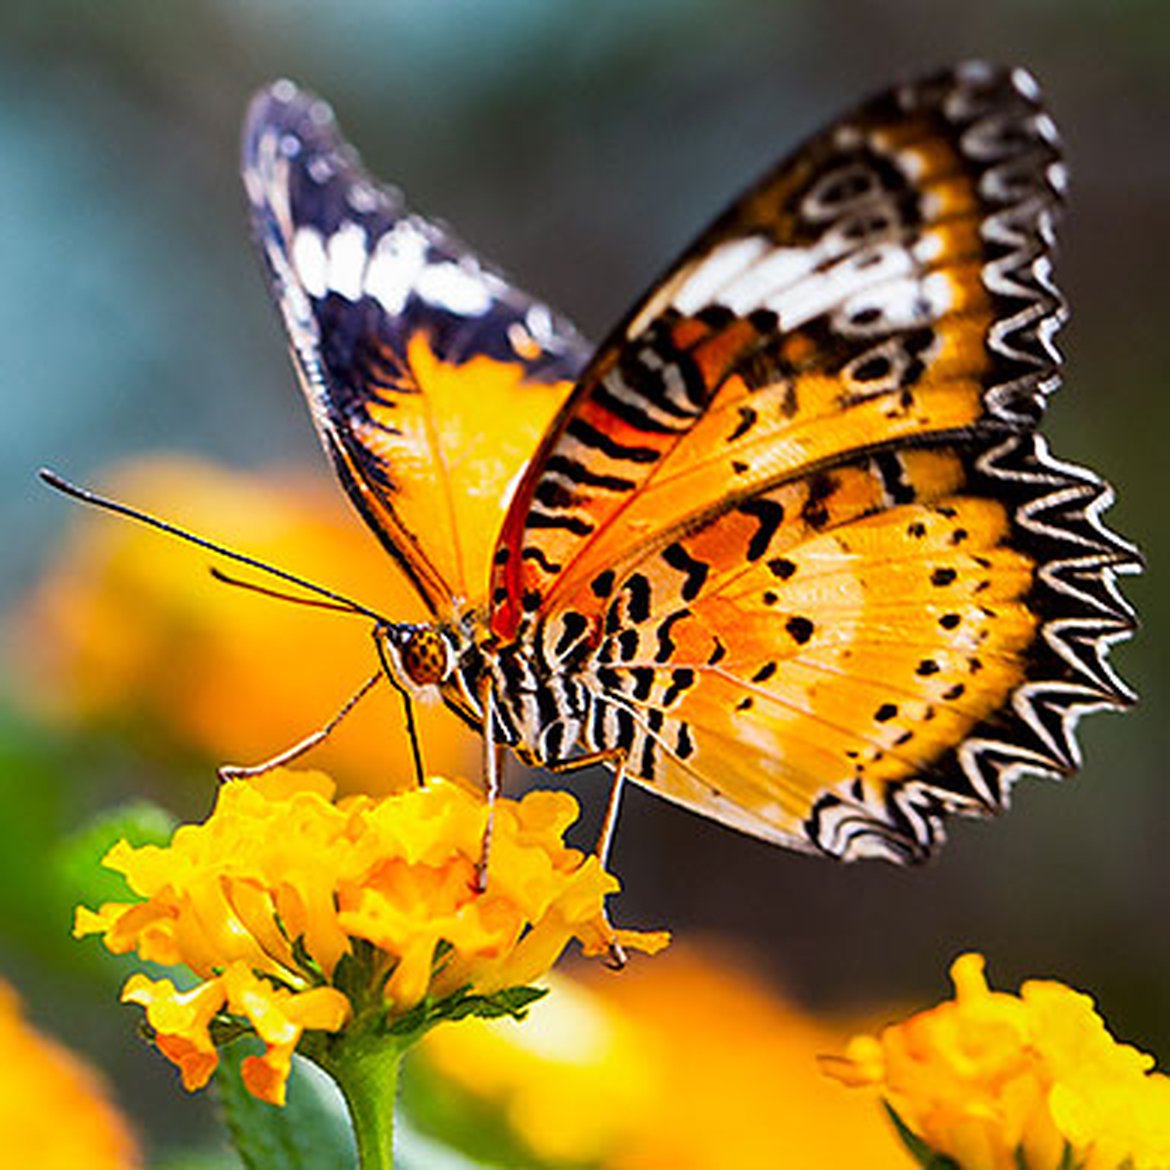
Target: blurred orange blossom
128 628
690 1062
54 1111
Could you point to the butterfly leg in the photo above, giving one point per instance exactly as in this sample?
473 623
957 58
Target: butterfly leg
493 760
617 760
241 772
420 775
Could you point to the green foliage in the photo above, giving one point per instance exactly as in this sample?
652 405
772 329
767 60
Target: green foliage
512 1001
78 859
309 1132
919 1150
45 873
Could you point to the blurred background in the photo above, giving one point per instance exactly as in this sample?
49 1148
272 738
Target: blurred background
579 145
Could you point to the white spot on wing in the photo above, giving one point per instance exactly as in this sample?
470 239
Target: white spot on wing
720 267
820 292
395 265
1046 128
901 304
308 257
540 324
936 291
1025 84
929 247
759 285
321 169
455 288
362 197
347 260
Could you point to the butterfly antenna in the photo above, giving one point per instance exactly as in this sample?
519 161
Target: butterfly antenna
340 601
253 587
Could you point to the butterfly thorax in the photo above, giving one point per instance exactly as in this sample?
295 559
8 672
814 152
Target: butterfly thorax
540 706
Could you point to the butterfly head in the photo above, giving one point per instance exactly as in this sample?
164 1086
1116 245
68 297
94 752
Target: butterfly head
419 655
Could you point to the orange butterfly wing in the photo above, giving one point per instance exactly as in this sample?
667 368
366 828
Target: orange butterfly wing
408 349
795 512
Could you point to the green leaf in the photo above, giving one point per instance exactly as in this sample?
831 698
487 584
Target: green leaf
462 1005
78 859
309 1132
1068 1160
922 1153
195 1160
38 779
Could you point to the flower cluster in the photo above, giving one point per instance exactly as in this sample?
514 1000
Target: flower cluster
298 913
998 1082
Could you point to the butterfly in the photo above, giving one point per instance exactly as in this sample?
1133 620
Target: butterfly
786 548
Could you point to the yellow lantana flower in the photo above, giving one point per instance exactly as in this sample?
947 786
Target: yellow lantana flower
999 1082
301 915
54 1111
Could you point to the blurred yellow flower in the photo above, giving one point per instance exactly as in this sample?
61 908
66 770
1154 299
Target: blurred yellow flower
129 629
688 1063
999 1082
297 912
54 1112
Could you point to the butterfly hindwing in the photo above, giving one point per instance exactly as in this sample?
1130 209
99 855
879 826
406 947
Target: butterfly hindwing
830 582
833 668
408 348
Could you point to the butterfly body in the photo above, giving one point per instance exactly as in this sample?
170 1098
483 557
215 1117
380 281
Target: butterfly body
787 547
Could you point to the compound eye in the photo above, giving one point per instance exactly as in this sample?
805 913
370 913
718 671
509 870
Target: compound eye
424 657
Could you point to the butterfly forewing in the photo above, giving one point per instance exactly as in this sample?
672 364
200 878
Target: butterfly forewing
410 351
829 584
887 283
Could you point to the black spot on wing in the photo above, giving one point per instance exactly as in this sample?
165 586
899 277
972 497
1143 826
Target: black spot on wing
681 681
747 419
574 626
769 516
596 440
666 645
537 555
694 571
574 524
579 473
637 589
800 629
602 584
892 472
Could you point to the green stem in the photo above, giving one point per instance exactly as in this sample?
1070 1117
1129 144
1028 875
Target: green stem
365 1067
